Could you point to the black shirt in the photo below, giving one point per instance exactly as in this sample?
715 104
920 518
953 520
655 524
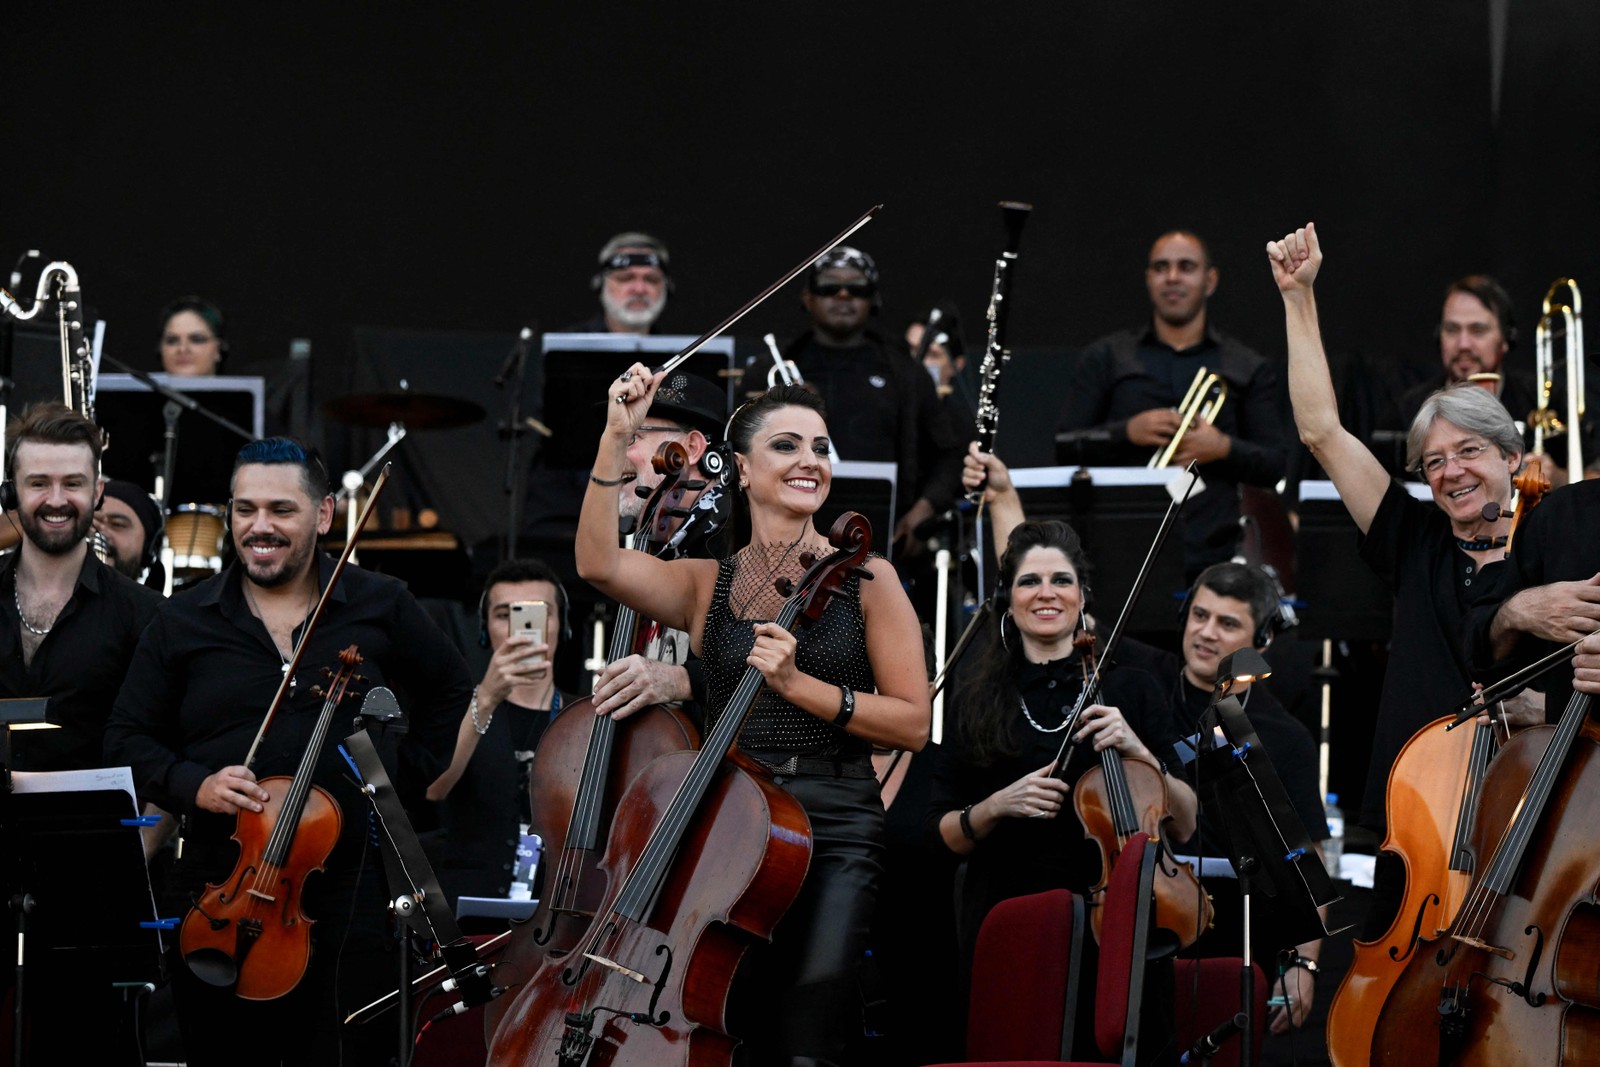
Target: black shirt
1555 543
79 665
1412 547
1121 375
206 671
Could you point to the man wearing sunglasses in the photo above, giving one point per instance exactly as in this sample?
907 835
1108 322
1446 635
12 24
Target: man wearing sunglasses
882 406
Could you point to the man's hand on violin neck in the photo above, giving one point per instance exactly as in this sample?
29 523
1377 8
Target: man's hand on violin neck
229 790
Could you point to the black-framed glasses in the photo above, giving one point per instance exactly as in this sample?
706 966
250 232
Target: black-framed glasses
641 431
857 290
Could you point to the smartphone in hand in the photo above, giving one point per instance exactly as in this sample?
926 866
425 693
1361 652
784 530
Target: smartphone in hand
531 617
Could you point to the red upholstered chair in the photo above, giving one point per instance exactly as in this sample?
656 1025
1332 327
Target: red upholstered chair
1214 999
1024 971
1124 936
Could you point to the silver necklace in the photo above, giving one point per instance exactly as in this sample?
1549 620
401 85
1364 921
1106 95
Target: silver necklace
1035 725
16 595
256 610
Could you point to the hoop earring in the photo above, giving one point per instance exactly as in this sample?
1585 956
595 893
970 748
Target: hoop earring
1003 642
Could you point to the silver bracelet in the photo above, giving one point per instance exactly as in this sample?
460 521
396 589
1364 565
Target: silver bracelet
472 709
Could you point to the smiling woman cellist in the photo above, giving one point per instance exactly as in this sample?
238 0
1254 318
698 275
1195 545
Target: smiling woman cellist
852 679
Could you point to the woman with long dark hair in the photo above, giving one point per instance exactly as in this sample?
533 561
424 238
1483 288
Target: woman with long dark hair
996 801
853 679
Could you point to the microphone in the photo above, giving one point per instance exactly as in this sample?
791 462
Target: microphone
927 339
518 353
1209 1045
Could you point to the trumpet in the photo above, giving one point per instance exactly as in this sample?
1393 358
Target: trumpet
1203 401
1544 419
784 370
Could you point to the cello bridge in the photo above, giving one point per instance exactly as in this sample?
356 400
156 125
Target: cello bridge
619 968
1495 950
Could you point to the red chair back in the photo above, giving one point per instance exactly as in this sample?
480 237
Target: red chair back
1203 1006
1124 938
1021 968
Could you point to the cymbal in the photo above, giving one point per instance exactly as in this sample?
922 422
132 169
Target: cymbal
417 411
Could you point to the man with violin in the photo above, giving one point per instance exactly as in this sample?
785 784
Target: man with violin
1126 390
202 678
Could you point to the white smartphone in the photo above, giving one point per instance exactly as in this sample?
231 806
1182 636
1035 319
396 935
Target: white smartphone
530 617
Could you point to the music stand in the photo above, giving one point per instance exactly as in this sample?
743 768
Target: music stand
131 415
1344 598
1116 512
577 367
1264 838
869 488
76 877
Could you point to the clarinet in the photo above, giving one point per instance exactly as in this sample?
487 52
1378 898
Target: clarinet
995 353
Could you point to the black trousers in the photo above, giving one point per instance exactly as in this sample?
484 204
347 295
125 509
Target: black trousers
797 1001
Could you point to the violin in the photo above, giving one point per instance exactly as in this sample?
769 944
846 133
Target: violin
1124 796
582 764
249 931
705 856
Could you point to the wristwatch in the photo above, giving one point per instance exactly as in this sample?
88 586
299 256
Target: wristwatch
1304 961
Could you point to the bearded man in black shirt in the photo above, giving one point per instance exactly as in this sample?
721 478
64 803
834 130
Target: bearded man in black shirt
202 678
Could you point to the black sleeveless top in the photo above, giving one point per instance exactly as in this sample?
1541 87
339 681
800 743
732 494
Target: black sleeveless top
834 649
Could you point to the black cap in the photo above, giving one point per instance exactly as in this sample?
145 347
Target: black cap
694 401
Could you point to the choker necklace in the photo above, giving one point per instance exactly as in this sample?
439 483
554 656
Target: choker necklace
1481 544
16 595
1035 725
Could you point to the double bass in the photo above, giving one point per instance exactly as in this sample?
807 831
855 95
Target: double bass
582 764
705 856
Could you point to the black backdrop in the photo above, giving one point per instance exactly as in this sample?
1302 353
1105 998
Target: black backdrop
422 167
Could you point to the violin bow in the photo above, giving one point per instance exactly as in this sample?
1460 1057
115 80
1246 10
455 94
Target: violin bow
1093 684
716 331
316 614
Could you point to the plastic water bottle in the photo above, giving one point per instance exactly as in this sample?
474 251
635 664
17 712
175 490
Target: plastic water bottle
1333 847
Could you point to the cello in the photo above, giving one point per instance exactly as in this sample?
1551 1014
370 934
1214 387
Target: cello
705 856
247 931
1513 979
582 764
1432 804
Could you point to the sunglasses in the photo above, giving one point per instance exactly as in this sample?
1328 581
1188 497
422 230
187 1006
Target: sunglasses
857 290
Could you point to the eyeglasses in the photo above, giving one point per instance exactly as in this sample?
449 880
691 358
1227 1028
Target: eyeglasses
1436 464
196 339
641 431
857 290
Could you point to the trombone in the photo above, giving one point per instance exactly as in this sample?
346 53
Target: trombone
1203 401
1544 419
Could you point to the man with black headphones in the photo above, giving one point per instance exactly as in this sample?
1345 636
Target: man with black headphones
484 792
633 284
131 523
71 623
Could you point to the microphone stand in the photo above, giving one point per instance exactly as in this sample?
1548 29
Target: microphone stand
169 452
511 373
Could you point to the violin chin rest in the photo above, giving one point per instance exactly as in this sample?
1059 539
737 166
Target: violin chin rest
213 967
